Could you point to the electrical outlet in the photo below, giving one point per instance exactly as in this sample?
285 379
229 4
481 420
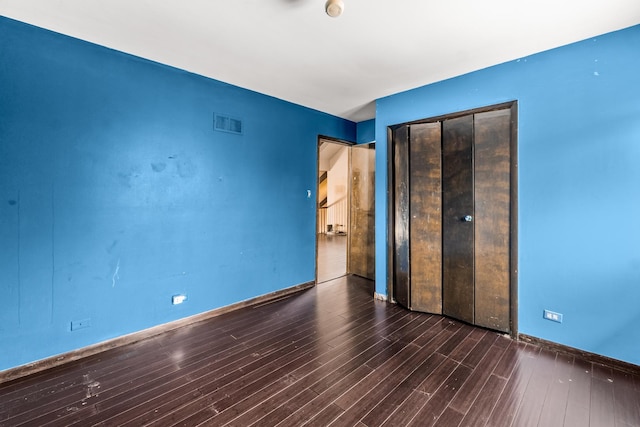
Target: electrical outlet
80 324
553 316
178 299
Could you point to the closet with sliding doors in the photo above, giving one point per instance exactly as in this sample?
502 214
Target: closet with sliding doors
453 228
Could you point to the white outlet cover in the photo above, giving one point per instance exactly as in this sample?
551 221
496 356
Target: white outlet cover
178 299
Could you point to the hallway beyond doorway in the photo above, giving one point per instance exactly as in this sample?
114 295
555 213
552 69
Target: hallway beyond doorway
332 256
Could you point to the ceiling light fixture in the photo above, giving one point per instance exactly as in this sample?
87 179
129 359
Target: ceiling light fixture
334 8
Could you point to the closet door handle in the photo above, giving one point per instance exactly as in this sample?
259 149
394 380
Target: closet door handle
467 218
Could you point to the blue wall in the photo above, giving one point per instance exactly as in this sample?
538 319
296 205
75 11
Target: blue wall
116 193
579 184
366 131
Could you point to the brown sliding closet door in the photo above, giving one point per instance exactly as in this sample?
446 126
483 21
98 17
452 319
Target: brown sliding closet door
457 218
452 217
492 219
417 214
425 211
401 217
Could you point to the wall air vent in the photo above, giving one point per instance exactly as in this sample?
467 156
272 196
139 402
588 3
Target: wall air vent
228 124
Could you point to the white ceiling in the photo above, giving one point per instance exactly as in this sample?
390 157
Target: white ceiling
291 49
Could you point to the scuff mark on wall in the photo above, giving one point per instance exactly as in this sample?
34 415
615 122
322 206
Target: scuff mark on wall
158 167
128 179
187 169
112 246
115 275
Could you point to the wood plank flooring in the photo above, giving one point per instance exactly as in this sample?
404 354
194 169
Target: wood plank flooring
328 356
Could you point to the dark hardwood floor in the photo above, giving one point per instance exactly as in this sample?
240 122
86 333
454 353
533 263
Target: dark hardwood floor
332 256
331 355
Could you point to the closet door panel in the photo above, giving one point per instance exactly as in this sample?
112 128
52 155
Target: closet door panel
425 217
492 219
457 218
401 290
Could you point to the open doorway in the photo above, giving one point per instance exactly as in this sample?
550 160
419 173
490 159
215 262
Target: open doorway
345 210
333 209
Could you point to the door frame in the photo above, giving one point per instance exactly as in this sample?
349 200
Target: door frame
513 250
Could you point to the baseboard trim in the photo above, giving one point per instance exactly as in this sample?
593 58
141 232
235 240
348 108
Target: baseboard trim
54 361
591 357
